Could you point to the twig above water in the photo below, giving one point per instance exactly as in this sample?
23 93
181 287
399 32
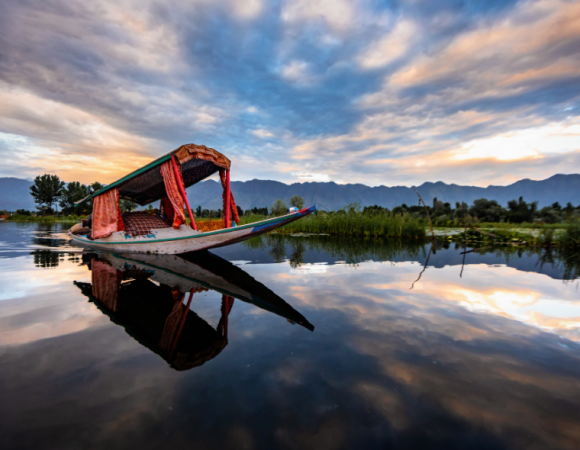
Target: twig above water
427 211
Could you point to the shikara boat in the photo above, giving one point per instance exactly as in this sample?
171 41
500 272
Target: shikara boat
150 296
166 179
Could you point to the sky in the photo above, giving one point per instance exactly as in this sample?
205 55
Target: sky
374 92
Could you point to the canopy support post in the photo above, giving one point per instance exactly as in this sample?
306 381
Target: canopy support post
227 305
227 211
179 179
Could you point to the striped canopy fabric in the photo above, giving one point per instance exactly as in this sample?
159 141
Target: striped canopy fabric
107 215
146 185
173 194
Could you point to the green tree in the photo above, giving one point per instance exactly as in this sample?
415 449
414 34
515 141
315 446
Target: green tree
260 211
127 205
279 207
568 209
46 190
521 211
198 211
487 210
96 186
297 201
73 192
549 214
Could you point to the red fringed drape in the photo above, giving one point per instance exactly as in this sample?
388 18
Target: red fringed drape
173 194
233 206
167 209
107 214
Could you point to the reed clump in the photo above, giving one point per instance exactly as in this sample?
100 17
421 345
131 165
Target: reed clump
568 237
350 221
251 218
43 219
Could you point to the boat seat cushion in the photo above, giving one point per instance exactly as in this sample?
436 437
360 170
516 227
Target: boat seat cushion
210 225
141 223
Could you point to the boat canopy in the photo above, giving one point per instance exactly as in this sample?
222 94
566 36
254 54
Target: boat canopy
146 185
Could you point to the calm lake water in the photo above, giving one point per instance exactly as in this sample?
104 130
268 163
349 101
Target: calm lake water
297 342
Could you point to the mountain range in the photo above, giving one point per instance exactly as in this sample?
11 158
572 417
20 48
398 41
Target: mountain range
15 193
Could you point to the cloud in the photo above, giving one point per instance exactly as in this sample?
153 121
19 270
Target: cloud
524 144
310 177
389 48
337 14
357 91
261 133
297 72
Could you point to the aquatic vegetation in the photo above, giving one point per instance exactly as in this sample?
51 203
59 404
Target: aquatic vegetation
571 235
543 237
350 221
43 219
251 218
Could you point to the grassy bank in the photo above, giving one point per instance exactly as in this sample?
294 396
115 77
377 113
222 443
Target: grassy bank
353 223
43 219
564 235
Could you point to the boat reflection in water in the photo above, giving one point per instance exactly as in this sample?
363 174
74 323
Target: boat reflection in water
150 296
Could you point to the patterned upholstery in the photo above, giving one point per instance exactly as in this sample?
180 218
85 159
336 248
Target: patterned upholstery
209 225
141 223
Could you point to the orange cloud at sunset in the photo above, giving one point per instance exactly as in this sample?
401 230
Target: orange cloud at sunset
351 93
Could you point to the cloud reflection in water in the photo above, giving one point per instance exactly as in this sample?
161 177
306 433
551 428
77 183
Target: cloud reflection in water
454 363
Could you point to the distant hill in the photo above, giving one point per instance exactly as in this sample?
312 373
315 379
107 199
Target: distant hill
15 193
329 196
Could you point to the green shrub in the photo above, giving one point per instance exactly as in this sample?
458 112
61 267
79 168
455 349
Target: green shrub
571 235
349 221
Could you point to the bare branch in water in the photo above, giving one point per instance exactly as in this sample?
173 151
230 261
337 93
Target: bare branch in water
463 263
426 262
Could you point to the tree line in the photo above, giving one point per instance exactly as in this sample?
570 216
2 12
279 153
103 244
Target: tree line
49 191
277 208
484 210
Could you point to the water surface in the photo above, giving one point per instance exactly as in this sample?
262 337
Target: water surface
287 342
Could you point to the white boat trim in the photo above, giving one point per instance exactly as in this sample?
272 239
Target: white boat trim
168 240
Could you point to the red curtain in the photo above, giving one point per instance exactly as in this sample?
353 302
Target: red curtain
173 194
233 206
107 214
167 209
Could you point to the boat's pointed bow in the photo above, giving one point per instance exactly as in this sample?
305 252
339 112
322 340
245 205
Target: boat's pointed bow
307 210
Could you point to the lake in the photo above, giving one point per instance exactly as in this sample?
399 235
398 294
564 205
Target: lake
290 342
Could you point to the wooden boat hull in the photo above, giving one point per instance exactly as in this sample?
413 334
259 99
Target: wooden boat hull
184 240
